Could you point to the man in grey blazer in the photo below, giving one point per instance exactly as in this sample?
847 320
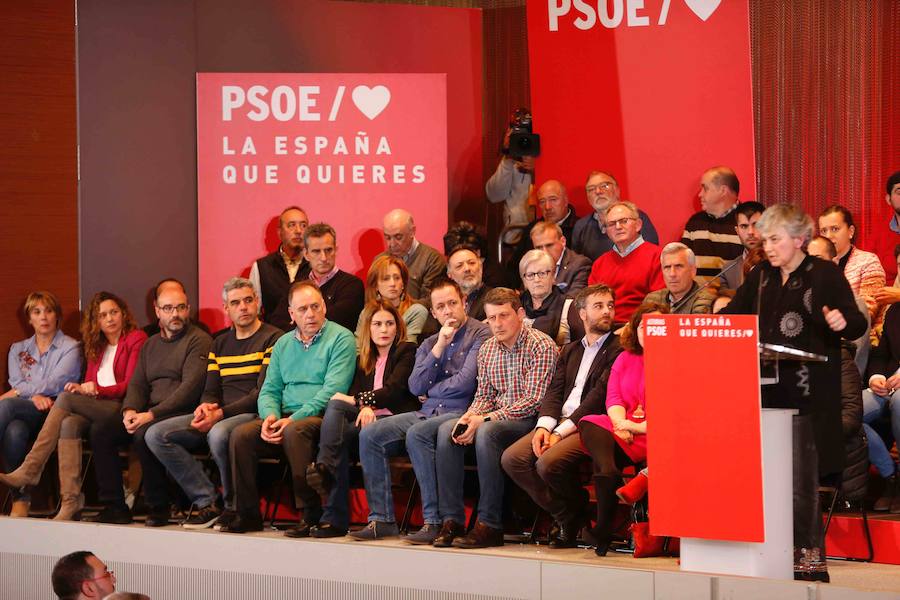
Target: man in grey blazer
572 269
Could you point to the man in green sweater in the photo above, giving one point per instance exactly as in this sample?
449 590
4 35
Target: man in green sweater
308 366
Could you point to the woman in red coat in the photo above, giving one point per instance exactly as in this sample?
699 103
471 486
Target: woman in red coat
112 343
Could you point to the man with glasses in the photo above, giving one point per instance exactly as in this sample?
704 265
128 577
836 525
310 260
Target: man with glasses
81 575
570 269
632 268
167 382
589 235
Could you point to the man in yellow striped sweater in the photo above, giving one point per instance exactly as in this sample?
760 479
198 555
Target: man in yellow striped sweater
235 372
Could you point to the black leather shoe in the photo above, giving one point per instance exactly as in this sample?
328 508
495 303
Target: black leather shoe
450 530
567 537
481 536
243 525
301 530
158 517
326 530
553 534
113 515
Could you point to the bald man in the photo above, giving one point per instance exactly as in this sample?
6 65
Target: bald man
426 265
711 232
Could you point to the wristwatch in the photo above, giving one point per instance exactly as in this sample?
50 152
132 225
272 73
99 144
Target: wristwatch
485 418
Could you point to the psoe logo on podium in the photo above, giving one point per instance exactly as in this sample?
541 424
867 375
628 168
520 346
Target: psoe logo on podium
614 13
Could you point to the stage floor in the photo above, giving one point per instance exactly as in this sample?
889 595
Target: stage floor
173 563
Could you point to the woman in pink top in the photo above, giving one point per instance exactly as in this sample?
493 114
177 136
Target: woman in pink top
112 343
619 438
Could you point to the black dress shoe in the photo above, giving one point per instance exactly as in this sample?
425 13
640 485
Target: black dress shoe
111 514
326 530
158 517
481 536
553 534
450 530
567 537
301 530
243 525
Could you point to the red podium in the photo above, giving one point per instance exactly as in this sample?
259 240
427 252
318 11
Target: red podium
719 466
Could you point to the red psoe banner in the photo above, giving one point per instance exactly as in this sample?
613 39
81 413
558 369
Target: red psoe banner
652 91
703 426
346 148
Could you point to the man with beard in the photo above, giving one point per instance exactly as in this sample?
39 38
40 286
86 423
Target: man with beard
747 214
589 236
236 369
167 382
464 266
546 462
273 274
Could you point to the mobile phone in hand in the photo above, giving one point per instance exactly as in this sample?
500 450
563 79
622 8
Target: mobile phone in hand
459 430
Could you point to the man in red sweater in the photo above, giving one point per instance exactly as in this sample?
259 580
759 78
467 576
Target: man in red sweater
631 268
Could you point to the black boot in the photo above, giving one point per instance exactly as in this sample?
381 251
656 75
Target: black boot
883 504
605 487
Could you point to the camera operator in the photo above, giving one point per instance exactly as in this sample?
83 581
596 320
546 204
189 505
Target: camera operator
511 182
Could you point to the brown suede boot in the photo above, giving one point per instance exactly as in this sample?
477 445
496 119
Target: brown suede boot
72 500
29 473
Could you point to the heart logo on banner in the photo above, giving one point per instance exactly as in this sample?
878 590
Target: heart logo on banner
371 101
703 8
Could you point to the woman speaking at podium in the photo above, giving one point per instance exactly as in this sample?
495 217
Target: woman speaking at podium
804 303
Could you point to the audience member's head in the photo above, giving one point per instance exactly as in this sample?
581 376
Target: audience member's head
127 596
306 307
399 232
382 327
43 312
169 283
602 189
785 230
505 315
632 336
537 270
465 234
719 189
387 280
448 304
320 241
105 319
172 310
291 224
821 247
553 201
596 306
241 302
679 267
623 223
81 575
893 191
747 214
548 236
836 223
464 266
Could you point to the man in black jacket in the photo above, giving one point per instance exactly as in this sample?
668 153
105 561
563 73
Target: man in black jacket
545 463
343 293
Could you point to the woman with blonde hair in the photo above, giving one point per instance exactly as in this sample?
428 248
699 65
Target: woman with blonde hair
112 343
387 281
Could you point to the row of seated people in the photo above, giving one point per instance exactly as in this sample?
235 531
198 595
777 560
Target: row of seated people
255 392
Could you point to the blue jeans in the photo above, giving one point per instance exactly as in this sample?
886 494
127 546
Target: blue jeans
172 441
337 440
874 406
387 437
491 439
19 423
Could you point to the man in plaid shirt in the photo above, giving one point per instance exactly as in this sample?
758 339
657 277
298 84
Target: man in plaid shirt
515 367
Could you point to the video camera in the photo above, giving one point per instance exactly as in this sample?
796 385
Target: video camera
522 141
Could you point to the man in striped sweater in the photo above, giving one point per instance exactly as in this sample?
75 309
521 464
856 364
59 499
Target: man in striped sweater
235 371
710 233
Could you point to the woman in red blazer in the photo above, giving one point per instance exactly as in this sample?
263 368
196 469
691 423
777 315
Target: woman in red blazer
112 343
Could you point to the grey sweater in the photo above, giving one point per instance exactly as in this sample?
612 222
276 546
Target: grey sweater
170 374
